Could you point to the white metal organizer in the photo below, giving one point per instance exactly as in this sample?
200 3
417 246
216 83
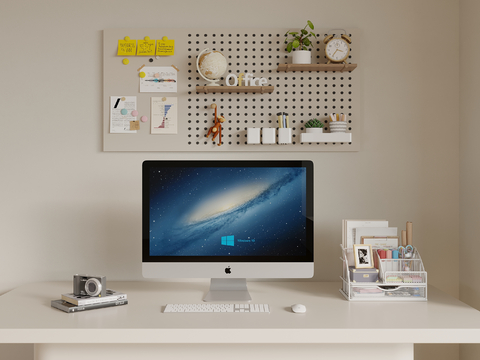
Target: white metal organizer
399 279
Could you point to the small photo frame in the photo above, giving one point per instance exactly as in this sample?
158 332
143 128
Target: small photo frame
363 256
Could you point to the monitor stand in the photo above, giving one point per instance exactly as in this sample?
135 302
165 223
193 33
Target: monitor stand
228 290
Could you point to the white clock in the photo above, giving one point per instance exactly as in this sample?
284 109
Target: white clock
337 49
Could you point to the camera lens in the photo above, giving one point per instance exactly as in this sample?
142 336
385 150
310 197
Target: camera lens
93 287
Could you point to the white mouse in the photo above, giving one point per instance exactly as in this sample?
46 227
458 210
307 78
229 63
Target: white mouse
299 308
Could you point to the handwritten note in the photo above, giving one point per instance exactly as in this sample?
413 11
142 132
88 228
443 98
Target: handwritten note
146 47
127 47
165 46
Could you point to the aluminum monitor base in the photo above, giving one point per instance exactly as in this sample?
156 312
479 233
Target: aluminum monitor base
228 290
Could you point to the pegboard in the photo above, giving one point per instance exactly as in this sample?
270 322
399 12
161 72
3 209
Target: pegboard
302 94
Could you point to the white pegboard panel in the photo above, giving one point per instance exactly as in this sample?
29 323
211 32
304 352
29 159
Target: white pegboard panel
302 94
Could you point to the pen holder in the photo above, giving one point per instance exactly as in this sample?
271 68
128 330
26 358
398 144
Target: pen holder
284 136
338 126
268 136
253 136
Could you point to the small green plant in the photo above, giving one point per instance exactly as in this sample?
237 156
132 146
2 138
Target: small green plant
299 39
314 123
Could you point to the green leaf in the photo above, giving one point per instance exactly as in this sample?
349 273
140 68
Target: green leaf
310 24
293 33
295 43
311 33
306 42
289 47
304 48
304 32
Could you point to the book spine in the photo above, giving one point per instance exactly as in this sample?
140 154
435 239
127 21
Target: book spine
73 309
96 300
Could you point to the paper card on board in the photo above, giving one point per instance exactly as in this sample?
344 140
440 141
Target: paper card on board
121 108
159 79
164 115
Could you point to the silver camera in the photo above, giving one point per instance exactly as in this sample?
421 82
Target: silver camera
86 285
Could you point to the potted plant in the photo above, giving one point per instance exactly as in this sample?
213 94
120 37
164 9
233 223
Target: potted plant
299 43
314 126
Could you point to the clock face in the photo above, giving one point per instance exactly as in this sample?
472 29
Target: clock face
337 50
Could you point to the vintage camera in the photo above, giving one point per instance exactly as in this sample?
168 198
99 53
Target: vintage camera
86 285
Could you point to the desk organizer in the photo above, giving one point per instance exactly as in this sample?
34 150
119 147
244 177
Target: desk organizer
398 279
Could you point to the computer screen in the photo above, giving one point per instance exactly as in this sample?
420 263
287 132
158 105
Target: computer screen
227 219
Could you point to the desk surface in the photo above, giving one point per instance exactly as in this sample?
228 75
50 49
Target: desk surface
26 317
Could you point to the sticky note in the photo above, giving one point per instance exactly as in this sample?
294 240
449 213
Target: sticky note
146 47
135 125
165 46
127 47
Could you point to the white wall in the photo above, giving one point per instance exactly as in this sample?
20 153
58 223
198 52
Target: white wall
469 163
68 207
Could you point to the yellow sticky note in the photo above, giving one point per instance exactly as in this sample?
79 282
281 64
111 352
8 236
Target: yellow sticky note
146 47
127 47
165 46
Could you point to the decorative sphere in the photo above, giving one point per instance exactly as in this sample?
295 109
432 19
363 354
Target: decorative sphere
212 64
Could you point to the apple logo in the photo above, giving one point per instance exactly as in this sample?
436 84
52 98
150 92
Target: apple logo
228 270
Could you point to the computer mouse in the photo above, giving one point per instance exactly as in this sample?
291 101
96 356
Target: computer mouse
299 308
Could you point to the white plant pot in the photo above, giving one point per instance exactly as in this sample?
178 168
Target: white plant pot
301 57
314 130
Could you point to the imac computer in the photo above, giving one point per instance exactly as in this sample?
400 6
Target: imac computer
228 221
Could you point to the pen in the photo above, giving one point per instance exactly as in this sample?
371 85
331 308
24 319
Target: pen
286 121
279 117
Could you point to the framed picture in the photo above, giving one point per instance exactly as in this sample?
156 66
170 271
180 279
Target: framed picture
363 256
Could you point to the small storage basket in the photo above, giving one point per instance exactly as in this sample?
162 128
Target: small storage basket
399 279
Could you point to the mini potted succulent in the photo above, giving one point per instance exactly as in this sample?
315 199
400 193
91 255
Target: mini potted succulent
299 43
314 126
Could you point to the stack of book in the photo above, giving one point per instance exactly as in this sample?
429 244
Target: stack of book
74 303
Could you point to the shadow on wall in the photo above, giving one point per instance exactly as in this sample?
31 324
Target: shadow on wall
94 238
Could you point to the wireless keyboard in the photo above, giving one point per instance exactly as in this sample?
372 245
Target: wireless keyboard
201 308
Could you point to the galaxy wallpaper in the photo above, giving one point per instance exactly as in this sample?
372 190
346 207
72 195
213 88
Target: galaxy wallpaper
227 211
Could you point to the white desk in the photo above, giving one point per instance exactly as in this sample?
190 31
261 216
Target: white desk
331 326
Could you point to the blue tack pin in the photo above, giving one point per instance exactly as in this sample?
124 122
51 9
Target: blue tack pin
124 111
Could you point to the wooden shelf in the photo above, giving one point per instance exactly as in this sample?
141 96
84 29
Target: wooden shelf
325 137
316 67
235 89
